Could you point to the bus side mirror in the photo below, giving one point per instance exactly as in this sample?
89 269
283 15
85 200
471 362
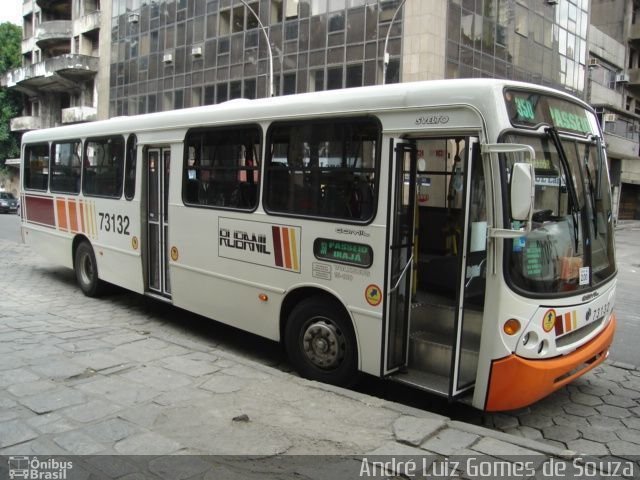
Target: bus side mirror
522 191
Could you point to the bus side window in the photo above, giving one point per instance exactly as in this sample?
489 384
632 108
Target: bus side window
36 166
222 167
323 168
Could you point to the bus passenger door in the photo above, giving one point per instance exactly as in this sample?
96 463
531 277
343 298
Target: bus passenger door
400 256
472 278
438 228
158 161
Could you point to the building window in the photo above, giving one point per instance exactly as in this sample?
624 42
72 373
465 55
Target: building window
334 78
323 168
36 166
222 167
65 167
289 84
354 76
103 167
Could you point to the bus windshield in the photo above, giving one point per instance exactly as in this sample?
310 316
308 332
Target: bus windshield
570 245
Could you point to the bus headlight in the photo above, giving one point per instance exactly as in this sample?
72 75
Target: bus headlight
511 326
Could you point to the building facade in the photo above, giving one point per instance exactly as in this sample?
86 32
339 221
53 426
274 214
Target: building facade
176 54
59 76
614 78
92 59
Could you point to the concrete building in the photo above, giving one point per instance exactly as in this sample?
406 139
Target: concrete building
156 55
60 63
182 53
615 92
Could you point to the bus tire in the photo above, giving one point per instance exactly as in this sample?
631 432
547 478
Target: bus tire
320 342
86 270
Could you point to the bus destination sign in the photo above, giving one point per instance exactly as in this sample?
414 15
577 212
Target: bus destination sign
339 251
527 109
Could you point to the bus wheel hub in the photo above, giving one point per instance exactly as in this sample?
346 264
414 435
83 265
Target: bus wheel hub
322 344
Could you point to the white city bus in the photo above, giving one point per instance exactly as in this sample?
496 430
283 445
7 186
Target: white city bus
454 235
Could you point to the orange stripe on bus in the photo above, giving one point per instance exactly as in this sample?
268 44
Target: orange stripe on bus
294 249
82 222
61 207
73 215
567 322
286 247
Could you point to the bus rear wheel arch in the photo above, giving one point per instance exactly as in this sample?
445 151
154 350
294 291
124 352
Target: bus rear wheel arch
86 269
320 341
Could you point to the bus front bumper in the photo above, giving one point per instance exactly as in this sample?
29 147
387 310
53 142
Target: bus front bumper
517 382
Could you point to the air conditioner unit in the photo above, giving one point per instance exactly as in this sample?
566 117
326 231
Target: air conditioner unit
593 62
551 2
622 78
167 58
134 18
196 51
609 117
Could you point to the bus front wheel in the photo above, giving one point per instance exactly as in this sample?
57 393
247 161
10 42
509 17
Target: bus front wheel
86 270
320 342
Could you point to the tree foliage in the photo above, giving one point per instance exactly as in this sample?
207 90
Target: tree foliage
10 101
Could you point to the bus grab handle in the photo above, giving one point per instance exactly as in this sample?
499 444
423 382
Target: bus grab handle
404 271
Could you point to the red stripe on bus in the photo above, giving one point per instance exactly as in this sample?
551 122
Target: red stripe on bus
277 246
73 215
286 247
558 326
40 210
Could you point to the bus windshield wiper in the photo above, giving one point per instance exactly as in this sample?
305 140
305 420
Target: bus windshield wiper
573 196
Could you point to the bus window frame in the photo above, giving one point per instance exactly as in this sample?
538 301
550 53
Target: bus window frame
24 159
86 141
327 120
52 160
127 160
222 128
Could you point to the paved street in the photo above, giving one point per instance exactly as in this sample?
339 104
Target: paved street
122 374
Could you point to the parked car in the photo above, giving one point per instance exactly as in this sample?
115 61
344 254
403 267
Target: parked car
8 203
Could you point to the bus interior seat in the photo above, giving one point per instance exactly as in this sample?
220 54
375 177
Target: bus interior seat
192 191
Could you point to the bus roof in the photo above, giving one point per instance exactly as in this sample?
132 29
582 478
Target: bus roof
361 100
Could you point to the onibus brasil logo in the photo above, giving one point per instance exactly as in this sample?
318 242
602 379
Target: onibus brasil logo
32 468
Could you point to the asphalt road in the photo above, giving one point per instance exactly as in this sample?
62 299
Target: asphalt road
10 227
627 339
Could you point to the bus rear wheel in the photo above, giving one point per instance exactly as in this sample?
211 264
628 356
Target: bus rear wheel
320 342
86 270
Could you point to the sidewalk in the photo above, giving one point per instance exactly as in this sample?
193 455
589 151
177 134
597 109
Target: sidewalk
104 376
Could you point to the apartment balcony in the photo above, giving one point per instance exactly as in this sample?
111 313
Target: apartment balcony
79 114
57 74
27 8
60 7
28 45
634 31
87 23
24 124
620 147
634 77
601 95
55 32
